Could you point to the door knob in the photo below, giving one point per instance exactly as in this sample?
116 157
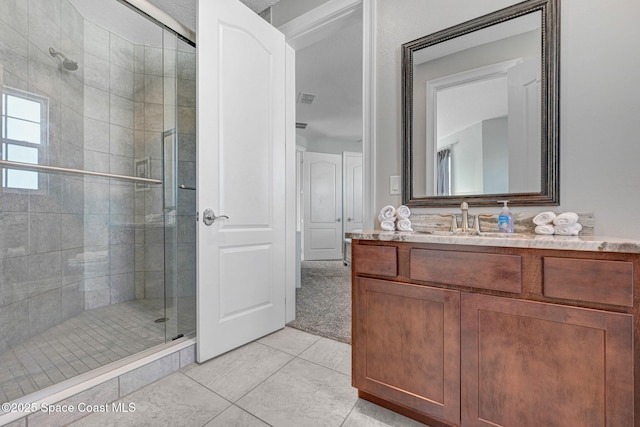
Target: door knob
208 216
338 219
349 219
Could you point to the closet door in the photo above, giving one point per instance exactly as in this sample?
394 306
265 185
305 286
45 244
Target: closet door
322 206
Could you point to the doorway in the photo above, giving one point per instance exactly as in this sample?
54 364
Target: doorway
329 116
329 140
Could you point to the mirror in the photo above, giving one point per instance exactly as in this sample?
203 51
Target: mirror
481 110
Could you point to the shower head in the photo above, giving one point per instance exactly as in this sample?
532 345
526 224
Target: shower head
68 64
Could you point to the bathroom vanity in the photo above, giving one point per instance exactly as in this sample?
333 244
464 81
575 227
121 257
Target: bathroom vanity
497 330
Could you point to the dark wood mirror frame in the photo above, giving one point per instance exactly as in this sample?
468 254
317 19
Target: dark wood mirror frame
550 104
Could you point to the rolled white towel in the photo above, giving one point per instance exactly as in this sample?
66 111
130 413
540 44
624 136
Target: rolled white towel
403 212
568 230
381 218
544 218
388 212
544 229
404 225
567 218
388 225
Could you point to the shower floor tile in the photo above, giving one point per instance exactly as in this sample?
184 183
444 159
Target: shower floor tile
88 341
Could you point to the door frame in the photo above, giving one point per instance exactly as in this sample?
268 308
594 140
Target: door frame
291 266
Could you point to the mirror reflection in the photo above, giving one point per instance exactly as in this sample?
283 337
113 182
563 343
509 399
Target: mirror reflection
477 100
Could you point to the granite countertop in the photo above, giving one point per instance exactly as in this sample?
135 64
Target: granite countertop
517 240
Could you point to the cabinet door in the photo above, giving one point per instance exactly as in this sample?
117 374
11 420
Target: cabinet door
536 364
406 344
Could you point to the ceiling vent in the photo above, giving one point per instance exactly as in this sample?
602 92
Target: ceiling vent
305 98
300 125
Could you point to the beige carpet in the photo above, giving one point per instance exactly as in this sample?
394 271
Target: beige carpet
323 303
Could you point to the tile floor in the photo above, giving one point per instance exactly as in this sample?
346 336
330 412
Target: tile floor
289 378
88 341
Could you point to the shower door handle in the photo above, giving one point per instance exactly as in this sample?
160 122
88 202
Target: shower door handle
208 216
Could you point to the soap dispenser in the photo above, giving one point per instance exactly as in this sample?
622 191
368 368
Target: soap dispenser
505 218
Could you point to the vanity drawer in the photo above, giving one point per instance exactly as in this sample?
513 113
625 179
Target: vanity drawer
486 271
606 282
378 260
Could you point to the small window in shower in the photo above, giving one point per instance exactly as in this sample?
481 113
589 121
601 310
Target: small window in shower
24 125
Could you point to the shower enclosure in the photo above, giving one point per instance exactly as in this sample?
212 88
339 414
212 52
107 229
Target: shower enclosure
97 200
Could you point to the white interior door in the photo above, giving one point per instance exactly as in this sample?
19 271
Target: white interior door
353 191
322 206
241 174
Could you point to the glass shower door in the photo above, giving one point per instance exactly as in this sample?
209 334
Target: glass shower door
88 208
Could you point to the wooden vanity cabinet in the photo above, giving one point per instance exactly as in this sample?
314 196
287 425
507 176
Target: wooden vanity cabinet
407 345
448 347
531 364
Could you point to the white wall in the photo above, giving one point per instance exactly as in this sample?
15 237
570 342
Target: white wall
286 10
599 126
466 160
495 156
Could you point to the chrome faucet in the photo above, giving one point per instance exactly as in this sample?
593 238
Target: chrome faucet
464 206
476 221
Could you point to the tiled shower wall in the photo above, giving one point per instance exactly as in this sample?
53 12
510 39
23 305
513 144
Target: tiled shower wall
42 233
132 90
88 242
